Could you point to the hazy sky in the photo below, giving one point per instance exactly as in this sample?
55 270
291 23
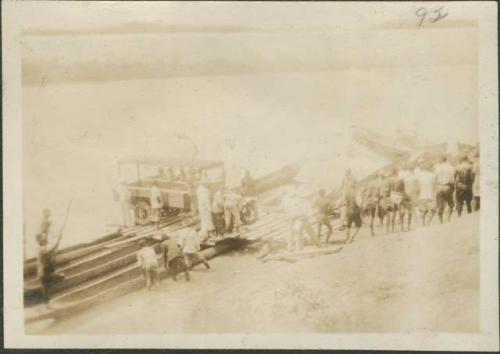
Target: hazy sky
256 85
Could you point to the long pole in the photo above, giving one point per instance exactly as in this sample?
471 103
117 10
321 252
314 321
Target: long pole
65 221
67 213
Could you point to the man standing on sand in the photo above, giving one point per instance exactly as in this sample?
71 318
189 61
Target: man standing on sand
322 206
411 191
156 203
475 185
427 194
397 198
445 179
347 182
353 212
384 204
371 198
464 179
148 262
173 258
191 248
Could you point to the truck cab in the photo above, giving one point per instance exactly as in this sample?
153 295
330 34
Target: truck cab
176 179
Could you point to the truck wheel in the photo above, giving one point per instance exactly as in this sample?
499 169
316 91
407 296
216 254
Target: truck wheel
142 213
249 213
171 211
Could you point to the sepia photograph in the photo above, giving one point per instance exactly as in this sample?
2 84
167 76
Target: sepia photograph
250 175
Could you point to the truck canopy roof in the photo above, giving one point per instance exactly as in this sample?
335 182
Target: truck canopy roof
159 161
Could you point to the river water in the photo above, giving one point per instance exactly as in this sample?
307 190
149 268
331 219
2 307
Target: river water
75 132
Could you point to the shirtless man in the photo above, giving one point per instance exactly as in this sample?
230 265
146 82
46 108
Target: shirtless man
384 203
397 198
371 197
464 179
411 191
427 194
353 213
347 182
322 206
445 178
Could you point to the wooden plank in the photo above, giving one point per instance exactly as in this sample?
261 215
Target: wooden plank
135 282
300 254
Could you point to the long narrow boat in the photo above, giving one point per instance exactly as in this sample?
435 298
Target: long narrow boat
112 255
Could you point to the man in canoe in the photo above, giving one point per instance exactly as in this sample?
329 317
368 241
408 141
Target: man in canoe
46 258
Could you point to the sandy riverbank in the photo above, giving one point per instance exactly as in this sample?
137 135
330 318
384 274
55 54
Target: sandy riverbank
424 280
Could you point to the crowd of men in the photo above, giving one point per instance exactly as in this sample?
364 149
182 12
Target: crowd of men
394 198
176 254
218 212
409 192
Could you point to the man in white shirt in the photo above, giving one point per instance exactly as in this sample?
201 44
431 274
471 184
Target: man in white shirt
445 177
411 191
427 194
156 203
148 262
204 208
124 196
190 243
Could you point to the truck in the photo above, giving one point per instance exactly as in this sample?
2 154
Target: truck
177 180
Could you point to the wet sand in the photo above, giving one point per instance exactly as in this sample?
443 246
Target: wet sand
423 280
